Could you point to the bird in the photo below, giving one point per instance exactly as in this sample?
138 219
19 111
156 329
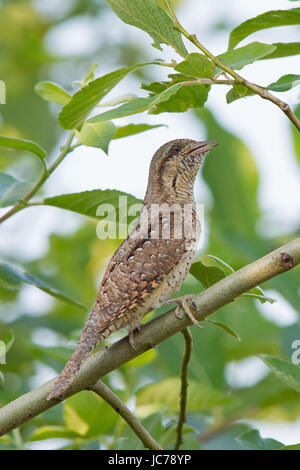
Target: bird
153 261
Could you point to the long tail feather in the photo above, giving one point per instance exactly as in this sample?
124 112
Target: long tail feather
89 339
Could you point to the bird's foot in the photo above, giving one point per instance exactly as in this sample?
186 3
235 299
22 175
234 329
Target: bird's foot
185 303
131 339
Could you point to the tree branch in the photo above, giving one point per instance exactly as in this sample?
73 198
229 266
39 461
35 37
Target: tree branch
188 339
159 329
238 79
47 172
114 401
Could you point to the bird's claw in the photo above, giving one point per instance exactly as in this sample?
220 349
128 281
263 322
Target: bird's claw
183 304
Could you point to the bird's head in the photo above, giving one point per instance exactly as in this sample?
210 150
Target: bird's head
174 168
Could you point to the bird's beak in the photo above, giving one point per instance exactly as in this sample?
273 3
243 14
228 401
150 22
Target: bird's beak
204 146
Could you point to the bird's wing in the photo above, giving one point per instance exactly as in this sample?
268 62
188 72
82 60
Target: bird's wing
135 270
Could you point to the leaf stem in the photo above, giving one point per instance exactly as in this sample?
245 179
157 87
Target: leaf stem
238 79
114 401
184 386
45 175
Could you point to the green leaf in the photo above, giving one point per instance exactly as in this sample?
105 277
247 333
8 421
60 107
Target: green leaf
12 190
51 432
196 65
96 135
88 415
87 202
237 92
131 129
284 83
166 393
53 92
238 58
252 440
12 278
225 328
284 49
207 275
188 96
261 298
14 142
225 266
286 371
296 135
291 447
148 16
138 105
76 111
270 19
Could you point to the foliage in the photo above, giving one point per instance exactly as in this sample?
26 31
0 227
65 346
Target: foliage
68 270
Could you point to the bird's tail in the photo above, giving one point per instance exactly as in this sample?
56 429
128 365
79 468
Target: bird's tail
89 339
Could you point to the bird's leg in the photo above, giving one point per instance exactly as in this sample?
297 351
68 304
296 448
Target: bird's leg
131 331
185 303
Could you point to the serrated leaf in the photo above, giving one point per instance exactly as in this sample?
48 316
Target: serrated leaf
131 129
12 278
138 105
239 58
52 92
23 144
207 275
252 440
286 371
196 65
148 16
284 83
12 190
269 19
96 135
225 328
167 392
73 114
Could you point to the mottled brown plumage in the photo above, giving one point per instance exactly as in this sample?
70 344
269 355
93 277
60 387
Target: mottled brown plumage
150 265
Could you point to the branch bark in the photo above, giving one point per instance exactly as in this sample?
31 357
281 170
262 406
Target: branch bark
114 401
159 329
188 340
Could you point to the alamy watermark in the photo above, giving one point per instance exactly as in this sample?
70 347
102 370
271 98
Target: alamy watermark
296 354
2 352
163 221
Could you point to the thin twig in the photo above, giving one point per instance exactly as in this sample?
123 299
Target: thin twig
184 386
114 401
239 80
23 203
157 330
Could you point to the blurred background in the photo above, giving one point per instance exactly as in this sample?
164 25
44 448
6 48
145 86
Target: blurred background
249 186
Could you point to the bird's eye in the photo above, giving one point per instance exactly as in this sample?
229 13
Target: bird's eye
176 148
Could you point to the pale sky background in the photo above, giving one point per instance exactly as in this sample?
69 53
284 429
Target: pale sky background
261 125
